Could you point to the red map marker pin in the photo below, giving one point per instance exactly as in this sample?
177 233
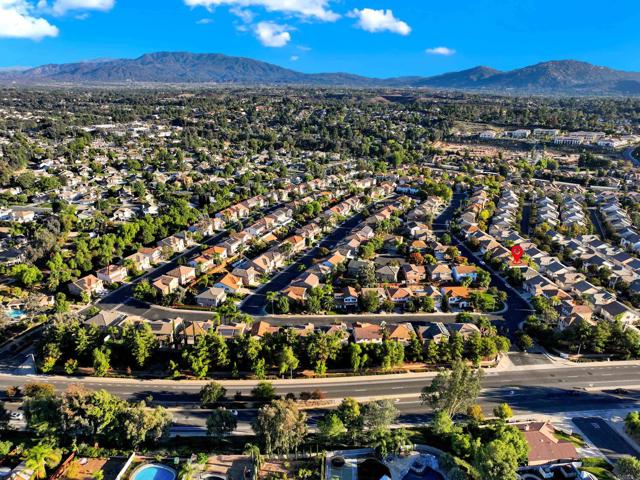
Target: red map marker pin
517 253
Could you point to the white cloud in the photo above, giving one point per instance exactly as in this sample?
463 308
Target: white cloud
379 21
317 9
60 7
18 21
272 34
204 21
444 51
243 14
294 58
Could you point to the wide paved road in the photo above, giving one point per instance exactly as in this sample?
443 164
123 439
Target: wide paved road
518 383
529 390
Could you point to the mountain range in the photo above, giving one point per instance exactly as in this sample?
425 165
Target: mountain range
556 77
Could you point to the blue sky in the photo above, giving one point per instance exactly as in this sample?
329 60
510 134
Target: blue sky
369 37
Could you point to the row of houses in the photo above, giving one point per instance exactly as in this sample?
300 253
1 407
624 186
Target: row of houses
399 280
574 296
177 332
616 217
146 257
347 249
247 273
593 252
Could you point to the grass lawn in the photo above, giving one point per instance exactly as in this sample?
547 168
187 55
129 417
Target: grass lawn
576 440
599 467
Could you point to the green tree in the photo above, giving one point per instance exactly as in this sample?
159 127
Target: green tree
140 342
627 468
503 411
355 356
198 357
378 416
211 394
101 363
370 301
453 391
187 471
253 452
264 392
40 457
288 361
272 296
349 412
475 413
496 460
26 275
331 428
280 426
442 424
221 422
70 366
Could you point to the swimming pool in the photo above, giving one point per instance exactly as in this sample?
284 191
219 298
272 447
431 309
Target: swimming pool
15 314
154 471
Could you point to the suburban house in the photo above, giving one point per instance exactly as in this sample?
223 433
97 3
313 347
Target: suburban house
295 293
618 311
261 328
413 273
166 284
183 273
401 332
399 294
440 272
229 283
460 272
367 333
89 285
434 332
202 263
458 296
173 243
212 297
106 318
346 298
154 254
544 446
248 275
139 261
231 331
297 242
195 329
113 274
387 273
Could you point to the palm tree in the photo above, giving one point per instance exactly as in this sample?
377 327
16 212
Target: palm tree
187 471
41 457
271 297
253 452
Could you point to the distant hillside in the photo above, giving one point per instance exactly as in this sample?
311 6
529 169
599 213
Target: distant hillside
557 77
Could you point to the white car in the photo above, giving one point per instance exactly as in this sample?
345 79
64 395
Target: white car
16 416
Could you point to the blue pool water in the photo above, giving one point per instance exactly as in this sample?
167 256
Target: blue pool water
14 313
154 472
